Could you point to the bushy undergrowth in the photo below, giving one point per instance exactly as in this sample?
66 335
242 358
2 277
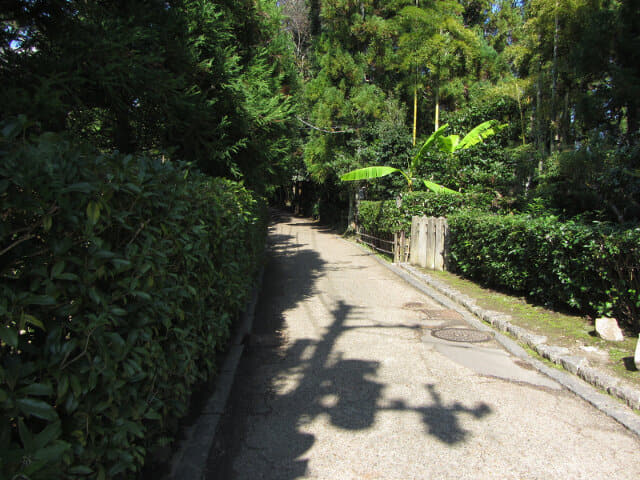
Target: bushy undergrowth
388 217
120 278
592 268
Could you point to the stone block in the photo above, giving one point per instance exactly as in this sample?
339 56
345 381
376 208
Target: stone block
573 363
608 329
534 340
552 353
636 358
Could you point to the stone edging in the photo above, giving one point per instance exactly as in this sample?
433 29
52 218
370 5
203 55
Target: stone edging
190 460
561 356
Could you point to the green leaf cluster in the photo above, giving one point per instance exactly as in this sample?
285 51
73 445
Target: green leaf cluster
592 268
120 277
387 217
209 82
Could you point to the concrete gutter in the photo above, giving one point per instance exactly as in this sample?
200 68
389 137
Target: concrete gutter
575 366
191 458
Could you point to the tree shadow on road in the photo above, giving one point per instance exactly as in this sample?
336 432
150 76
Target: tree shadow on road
282 386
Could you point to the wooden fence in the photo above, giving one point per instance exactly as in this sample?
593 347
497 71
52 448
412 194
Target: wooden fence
381 242
427 246
429 242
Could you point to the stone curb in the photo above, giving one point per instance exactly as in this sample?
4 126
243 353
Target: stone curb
190 460
475 316
577 365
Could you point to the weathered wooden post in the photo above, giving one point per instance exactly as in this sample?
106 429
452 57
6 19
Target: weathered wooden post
396 248
422 242
413 246
431 243
439 243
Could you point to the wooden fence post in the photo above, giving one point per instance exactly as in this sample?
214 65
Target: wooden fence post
431 243
439 244
428 246
396 248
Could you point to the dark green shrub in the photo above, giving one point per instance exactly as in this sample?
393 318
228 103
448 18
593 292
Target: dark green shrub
379 217
591 268
120 278
387 217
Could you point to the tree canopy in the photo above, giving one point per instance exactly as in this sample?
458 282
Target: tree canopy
210 82
272 92
562 74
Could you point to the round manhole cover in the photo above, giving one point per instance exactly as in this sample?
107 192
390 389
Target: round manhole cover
461 335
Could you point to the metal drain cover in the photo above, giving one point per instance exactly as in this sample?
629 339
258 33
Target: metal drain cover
466 335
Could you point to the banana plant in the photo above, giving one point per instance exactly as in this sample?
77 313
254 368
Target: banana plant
449 144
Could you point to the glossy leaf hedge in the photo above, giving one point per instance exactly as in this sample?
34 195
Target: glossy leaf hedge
387 217
120 279
593 268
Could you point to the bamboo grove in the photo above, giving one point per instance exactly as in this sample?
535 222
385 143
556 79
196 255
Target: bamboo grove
564 75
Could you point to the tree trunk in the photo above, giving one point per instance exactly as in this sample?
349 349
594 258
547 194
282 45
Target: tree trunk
415 112
437 94
122 135
351 218
539 135
314 13
553 138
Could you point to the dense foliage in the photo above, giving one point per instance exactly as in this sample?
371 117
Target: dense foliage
122 267
589 267
121 276
563 75
210 82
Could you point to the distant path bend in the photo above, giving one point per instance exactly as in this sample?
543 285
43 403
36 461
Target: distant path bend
343 379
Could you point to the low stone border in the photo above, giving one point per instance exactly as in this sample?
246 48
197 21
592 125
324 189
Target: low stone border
190 461
561 356
609 406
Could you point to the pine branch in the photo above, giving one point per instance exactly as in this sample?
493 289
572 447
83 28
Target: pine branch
346 130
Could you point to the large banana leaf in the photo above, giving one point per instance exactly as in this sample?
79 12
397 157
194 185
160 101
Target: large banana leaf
479 133
369 173
427 145
449 144
434 187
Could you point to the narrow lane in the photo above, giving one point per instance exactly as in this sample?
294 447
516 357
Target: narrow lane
342 378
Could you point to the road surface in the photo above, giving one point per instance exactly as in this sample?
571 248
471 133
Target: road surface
344 377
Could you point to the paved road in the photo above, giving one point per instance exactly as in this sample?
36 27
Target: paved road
343 379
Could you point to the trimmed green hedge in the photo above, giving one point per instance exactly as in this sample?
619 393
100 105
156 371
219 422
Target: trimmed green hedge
591 268
120 279
387 217
381 216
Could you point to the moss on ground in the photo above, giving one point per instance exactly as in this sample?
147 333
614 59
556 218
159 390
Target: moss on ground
562 329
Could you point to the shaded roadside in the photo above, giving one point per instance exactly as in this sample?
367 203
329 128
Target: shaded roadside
341 379
318 382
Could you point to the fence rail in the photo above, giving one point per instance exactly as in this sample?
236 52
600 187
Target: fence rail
376 242
397 245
